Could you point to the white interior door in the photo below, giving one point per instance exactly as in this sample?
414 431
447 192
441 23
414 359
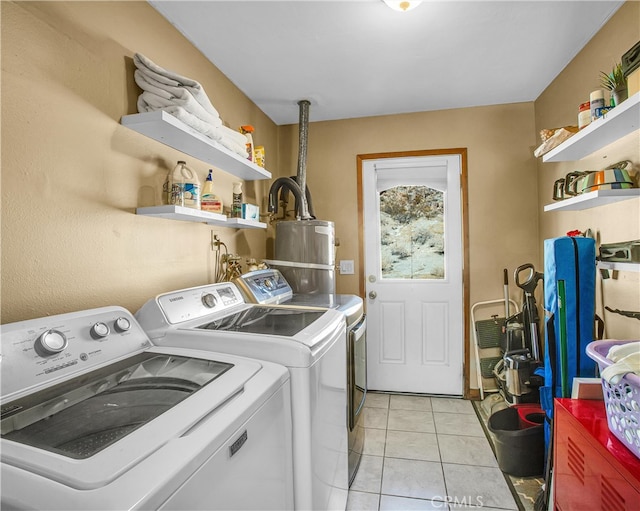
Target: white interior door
413 272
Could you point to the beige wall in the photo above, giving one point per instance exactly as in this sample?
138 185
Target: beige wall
72 176
502 187
558 106
501 175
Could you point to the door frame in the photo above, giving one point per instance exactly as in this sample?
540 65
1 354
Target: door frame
464 204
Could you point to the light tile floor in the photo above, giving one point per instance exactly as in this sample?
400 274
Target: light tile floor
425 453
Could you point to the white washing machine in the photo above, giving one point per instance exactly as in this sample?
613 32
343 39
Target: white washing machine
270 287
95 417
309 342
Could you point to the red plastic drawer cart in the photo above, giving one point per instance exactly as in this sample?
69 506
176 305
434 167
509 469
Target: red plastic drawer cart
592 469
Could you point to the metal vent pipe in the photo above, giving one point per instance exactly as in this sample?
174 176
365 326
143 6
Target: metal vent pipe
303 129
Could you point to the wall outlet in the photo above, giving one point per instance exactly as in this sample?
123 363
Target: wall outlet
346 267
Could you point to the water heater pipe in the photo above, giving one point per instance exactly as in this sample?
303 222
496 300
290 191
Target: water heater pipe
303 127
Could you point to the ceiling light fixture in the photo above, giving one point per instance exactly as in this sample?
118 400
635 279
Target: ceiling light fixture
402 5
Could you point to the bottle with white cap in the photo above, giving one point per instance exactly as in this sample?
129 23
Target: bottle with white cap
209 201
596 100
236 204
182 187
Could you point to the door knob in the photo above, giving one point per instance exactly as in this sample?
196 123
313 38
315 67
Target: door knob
373 295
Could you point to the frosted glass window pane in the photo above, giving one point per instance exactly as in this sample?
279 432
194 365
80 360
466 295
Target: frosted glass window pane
412 233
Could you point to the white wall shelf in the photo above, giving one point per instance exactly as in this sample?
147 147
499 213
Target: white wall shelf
243 223
593 199
170 131
615 124
183 214
607 265
197 215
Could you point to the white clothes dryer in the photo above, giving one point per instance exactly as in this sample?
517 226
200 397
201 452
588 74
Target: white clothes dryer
270 287
309 342
95 417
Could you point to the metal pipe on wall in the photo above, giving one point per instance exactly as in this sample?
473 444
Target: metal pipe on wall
303 126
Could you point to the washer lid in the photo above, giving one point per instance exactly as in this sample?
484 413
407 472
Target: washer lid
87 431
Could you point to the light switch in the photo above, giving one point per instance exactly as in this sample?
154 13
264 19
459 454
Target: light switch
346 267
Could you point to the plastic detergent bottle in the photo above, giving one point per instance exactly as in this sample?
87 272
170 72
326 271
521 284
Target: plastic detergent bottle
172 193
183 187
236 205
208 200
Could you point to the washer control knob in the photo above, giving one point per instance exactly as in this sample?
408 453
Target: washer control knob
122 324
51 342
268 283
100 331
209 300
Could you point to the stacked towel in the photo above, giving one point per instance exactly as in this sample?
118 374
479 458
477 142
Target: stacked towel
626 358
234 140
186 100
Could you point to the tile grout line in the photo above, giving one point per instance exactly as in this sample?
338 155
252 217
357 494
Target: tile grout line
432 415
384 451
435 428
485 430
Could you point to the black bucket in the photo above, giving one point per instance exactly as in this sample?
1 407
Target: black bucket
520 451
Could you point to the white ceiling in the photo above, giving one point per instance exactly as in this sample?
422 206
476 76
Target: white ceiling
359 58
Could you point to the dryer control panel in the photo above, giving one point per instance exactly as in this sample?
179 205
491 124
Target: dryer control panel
265 286
197 302
41 350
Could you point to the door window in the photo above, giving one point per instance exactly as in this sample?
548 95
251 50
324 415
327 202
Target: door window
412 233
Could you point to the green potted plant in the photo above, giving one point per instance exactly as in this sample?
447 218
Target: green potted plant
616 83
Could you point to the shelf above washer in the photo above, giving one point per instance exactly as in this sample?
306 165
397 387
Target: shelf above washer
196 215
243 223
593 199
615 124
170 131
184 214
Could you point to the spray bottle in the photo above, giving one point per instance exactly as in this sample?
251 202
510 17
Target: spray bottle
236 205
247 130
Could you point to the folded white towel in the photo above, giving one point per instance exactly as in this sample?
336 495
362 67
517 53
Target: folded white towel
147 103
168 96
170 78
185 99
619 351
232 142
628 364
236 136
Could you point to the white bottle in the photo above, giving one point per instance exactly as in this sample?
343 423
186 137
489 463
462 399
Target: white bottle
596 99
183 187
236 205
172 192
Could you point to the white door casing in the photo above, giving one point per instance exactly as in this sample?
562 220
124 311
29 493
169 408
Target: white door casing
415 324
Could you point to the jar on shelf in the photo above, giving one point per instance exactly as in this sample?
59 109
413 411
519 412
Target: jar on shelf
584 115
